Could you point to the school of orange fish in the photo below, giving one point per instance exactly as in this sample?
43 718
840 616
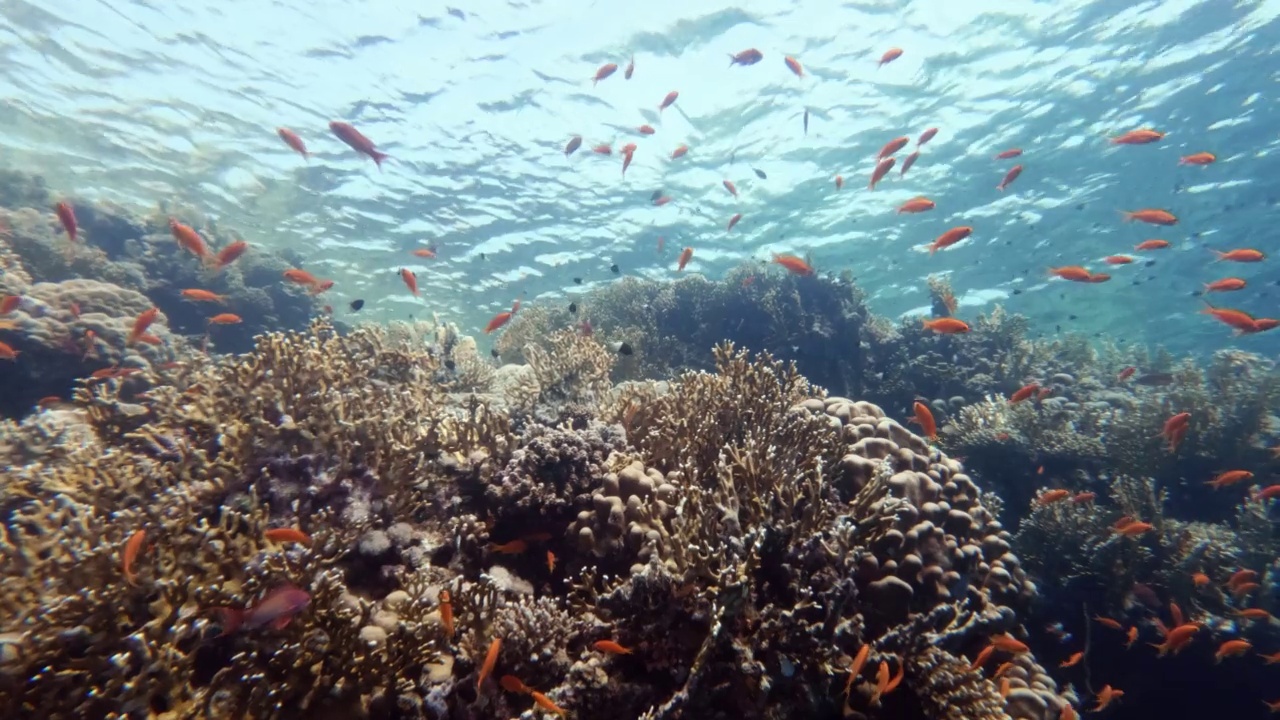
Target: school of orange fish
279 606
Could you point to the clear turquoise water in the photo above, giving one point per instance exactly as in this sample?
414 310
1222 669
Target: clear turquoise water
140 102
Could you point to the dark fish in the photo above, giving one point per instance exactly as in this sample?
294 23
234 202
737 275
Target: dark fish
450 364
577 281
614 268
806 121
573 307
1154 379
482 257
624 349
356 305
760 174
494 352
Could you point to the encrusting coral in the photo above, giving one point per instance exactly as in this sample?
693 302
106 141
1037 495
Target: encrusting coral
737 533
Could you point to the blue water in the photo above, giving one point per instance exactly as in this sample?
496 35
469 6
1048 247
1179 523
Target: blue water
178 103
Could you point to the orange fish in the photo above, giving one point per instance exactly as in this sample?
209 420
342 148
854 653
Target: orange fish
750 56
1106 696
1053 496
498 321
446 613
733 189
1267 493
321 286
301 277
1152 245
230 254
794 66
1230 477
1200 158
628 154
793 264
1007 154
1072 661
916 205
286 535
945 326
1177 639
949 238
925 420
225 319
1117 259
1150 216
1009 177
1126 373
646 130
882 168
855 668
1134 529
892 147
908 162
1225 285
889 56
1232 648
1240 577
668 101
67 216
1009 644
1108 622
424 253
1097 278
1253 614
514 547
291 139
574 143
1131 637
189 239
839 182
1075 273
1138 137
551 562
1122 522
1023 393
982 658
733 221
611 647
513 684
410 280
132 548
662 200
602 149
685 256
1200 579
608 69
1241 255
926 136
198 295
1083 497
545 703
1175 614
679 152
347 133
141 323
1237 319
10 303
490 659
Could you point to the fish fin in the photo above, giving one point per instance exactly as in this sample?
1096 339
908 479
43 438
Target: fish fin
378 157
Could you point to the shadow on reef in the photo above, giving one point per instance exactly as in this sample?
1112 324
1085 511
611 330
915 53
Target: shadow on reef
79 300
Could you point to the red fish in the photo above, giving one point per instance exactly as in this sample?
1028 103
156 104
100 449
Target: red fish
10 303
793 264
750 56
608 69
733 221
916 205
410 280
892 147
839 181
733 189
1152 245
882 168
141 323
291 139
358 142
1010 153
230 254
1074 273
1009 177
225 319
1126 373
1137 137
275 610
287 535
794 66
668 101
602 149
627 156
1150 216
67 216
1117 259
679 152
926 136
646 130
889 56
574 143
950 237
946 326
498 321
189 239
1200 158
662 200
1240 255
685 256
1225 285
907 162
924 419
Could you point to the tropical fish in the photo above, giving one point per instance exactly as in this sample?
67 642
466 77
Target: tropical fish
275 610
924 418
1151 216
892 147
1200 158
908 161
945 326
889 56
916 205
882 168
347 133
574 143
750 56
230 254
949 238
685 256
733 221
291 139
794 66
1010 153
1138 137
668 100
1009 177
410 280
611 647
793 264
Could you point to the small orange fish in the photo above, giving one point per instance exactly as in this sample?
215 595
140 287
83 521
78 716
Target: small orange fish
908 161
545 703
225 319
514 547
631 68
427 253
1053 496
291 139
685 256
668 101
498 321
1232 648
882 168
839 181
750 56
301 277
10 303
354 139
1242 576
945 326
1200 579
1074 273
551 562
574 143
490 659
1108 622
287 535
1084 497
1134 529
794 66
982 658
513 684
1152 245
229 254
733 189
1117 259
1267 493
1200 158
189 240
1009 644
949 238
889 56
733 221
446 613
1177 639
926 136
1007 154
602 149
1150 216
1023 393
679 152
141 323
1072 661
925 420
1237 319
1131 637
1253 614
604 71
793 264
410 280
1271 659
1230 477
611 647
132 548
892 147
67 216
646 130
855 667
1241 255
1225 285
1138 137
916 205
198 295
1009 177
1106 696
662 200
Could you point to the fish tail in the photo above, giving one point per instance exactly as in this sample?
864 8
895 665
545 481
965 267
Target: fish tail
1125 215
378 157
